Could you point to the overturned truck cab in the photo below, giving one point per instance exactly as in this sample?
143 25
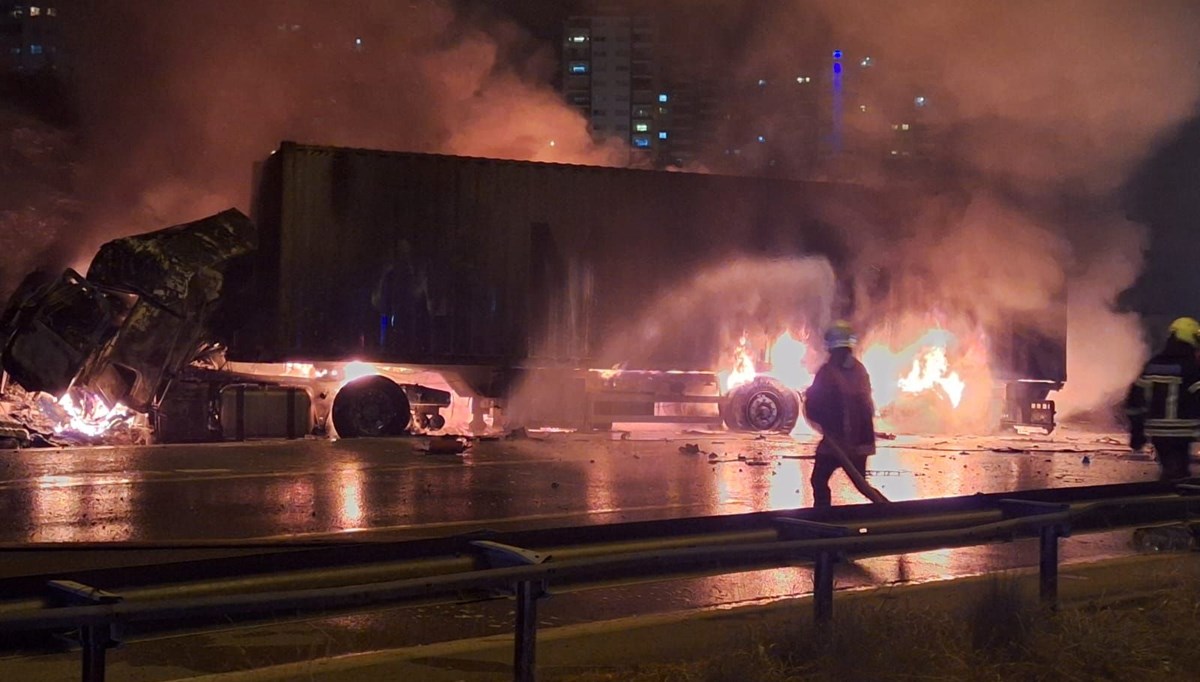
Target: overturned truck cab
137 330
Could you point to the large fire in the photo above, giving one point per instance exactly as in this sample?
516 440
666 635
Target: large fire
928 383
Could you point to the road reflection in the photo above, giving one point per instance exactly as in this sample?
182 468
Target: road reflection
81 508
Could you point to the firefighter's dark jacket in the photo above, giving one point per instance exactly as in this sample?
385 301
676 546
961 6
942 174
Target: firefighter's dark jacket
839 404
1165 400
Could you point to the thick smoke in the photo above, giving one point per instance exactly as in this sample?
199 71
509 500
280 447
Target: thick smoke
179 99
722 302
1041 112
37 206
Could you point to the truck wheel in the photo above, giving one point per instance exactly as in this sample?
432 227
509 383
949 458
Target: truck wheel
764 404
371 406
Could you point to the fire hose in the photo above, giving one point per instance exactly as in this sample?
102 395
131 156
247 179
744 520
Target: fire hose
860 482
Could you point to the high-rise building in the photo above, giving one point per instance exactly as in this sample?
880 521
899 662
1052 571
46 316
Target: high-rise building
29 36
610 73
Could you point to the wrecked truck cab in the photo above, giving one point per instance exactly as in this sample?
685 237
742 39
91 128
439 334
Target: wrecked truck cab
139 317
53 329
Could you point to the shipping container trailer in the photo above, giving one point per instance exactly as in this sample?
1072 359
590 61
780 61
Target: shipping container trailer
496 275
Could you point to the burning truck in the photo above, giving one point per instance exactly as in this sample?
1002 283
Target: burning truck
375 292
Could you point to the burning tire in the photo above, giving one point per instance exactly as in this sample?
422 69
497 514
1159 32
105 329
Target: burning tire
371 406
764 404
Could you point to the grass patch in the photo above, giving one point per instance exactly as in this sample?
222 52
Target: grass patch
999 633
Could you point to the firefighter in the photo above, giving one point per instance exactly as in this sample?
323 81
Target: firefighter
839 405
1163 405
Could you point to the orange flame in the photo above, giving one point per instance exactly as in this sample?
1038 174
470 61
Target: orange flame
936 368
743 368
90 416
931 370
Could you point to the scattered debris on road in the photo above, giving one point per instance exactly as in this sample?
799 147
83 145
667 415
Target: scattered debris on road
446 445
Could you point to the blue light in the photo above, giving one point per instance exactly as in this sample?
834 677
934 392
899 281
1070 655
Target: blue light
662 134
641 142
762 138
837 68
837 54
662 97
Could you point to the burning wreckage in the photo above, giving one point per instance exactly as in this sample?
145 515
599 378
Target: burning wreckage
378 293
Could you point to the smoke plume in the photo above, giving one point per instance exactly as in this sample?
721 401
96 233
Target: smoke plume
179 99
1040 112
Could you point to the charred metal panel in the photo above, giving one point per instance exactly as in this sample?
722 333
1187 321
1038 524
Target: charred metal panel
177 274
178 268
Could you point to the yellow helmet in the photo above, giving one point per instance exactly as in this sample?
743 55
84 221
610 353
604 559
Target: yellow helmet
841 335
1186 329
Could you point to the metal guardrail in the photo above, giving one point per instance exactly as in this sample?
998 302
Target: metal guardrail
527 574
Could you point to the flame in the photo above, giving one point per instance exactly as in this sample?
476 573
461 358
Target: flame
790 362
743 368
939 382
940 373
931 370
306 370
89 416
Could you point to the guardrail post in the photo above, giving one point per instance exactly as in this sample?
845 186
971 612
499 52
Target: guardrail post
823 588
96 640
1049 534
1048 566
803 529
527 592
525 646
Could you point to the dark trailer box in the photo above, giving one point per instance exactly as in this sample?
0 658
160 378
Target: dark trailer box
438 260
448 261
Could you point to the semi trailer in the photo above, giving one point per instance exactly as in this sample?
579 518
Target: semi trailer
564 288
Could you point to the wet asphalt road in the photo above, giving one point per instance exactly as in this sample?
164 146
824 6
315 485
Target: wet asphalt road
315 487
392 488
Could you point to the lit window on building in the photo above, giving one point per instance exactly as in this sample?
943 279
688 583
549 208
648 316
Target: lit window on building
578 38
35 11
51 12
18 11
662 97
662 134
641 141
641 127
762 82
35 49
579 67
903 126
803 79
